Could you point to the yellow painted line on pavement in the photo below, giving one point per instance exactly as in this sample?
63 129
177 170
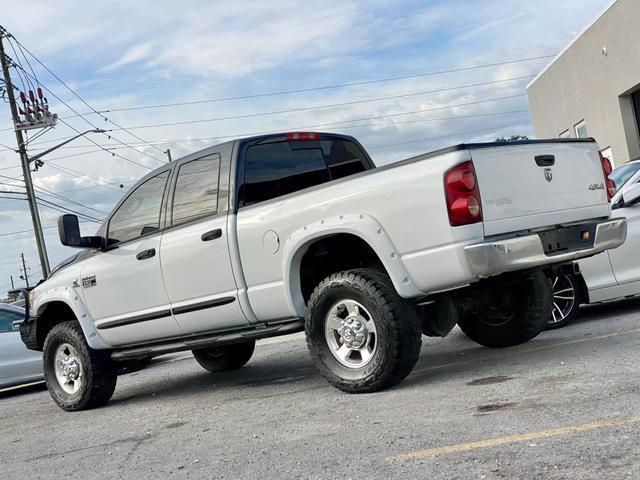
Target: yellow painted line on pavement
533 349
525 437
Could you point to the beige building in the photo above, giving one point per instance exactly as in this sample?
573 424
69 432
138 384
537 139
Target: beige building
592 88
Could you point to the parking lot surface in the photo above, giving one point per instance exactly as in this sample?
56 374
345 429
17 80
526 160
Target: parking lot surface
565 405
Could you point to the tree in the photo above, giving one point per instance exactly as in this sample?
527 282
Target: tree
512 138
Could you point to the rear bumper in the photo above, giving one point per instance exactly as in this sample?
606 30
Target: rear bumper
519 253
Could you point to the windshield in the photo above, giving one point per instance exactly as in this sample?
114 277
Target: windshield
623 173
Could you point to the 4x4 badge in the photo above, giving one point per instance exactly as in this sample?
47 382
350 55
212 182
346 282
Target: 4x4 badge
548 174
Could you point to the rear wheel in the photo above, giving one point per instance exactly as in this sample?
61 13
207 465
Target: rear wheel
512 314
225 357
566 301
361 334
78 377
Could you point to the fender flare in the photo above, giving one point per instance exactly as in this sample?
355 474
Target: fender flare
72 299
363 226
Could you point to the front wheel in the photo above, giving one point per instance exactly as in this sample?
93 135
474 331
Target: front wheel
225 357
362 336
510 314
78 377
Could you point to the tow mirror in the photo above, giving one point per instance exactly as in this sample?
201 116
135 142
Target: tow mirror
631 194
69 231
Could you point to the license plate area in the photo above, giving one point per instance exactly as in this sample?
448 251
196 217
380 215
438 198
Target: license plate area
568 239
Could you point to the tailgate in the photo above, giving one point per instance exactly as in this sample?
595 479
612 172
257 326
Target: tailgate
540 183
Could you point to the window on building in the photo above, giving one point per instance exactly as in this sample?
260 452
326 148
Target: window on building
139 214
566 134
581 130
196 193
635 98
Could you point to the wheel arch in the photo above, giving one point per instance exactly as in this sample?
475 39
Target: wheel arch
49 315
57 309
361 238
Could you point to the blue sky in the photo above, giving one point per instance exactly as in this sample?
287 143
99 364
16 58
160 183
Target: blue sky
120 54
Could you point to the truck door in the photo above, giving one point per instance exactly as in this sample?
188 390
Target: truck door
123 287
195 259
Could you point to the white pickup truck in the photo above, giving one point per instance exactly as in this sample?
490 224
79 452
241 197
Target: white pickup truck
274 234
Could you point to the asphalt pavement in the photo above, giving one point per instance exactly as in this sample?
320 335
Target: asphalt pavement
564 405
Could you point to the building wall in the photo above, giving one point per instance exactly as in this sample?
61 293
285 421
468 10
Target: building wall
585 84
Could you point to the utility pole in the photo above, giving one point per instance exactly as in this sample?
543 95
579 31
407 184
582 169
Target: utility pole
24 271
24 160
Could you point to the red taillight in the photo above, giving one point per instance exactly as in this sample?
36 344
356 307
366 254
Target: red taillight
463 196
299 136
607 169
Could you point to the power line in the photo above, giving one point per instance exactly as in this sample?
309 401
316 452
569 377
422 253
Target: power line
327 87
107 150
318 125
376 117
89 178
63 209
11 198
93 126
55 194
30 232
318 107
308 108
77 95
380 147
68 200
263 132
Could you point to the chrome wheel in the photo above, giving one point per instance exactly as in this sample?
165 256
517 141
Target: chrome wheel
564 298
68 368
351 334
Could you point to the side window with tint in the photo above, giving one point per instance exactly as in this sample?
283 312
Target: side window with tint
139 214
343 158
276 169
196 192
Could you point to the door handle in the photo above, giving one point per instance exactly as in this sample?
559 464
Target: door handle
211 235
143 255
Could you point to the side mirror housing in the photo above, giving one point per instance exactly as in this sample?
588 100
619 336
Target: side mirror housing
69 231
631 194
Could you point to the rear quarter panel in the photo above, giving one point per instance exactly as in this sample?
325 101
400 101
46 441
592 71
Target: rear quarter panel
406 201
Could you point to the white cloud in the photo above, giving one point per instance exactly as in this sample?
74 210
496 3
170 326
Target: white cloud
136 53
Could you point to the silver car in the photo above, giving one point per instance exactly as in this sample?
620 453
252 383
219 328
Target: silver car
611 275
17 364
